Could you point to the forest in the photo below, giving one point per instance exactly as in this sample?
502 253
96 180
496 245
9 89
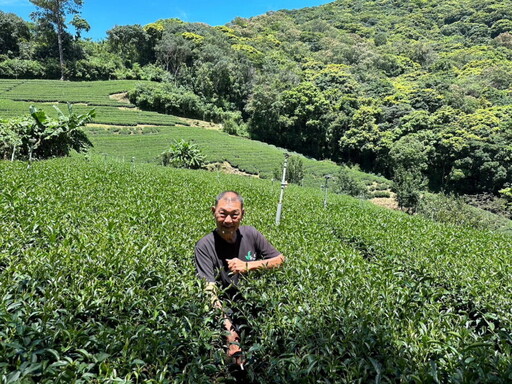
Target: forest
418 91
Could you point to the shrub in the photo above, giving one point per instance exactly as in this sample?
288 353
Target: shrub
407 186
39 136
381 194
451 209
175 100
294 170
150 72
348 185
154 72
167 98
506 193
183 154
233 124
487 201
25 69
92 70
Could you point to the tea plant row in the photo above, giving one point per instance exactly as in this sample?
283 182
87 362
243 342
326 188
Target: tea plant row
90 92
98 285
16 96
104 115
247 155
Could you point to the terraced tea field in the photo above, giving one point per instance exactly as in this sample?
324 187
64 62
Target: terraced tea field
98 285
93 93
16 96
123 125
250 156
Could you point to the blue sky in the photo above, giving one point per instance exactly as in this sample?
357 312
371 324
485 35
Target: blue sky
103 15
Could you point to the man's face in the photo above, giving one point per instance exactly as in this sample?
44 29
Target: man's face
228 214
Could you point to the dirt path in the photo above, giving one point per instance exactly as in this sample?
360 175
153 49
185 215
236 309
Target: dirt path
202 124
226 167
120 97
386 202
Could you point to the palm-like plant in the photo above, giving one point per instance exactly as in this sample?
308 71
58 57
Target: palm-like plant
183 154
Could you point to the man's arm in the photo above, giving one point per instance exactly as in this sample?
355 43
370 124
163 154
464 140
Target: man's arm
206 270
239 266
212 289
232 337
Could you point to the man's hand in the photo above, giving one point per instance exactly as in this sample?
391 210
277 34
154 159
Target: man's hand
233 341
237 266
233 345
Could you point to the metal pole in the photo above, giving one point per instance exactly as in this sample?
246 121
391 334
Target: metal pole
327 177
30 151
283 184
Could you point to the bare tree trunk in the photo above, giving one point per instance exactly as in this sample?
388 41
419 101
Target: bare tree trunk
60 32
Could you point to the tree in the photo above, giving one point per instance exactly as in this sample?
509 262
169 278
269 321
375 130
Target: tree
13 31
364 139
303 119
173 51
347 184
406 185
54 12
40 136
132 43
80 25
409 157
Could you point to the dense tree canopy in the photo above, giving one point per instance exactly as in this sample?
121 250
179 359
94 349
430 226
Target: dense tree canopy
14 32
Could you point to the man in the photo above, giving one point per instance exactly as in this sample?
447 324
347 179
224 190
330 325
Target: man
228 251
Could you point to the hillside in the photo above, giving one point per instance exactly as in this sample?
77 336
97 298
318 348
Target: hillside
123 132
97 279
358 82
98 284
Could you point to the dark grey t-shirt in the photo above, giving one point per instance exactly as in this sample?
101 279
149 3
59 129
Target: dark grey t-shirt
212 251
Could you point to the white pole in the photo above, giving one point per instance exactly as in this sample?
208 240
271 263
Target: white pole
327 177
31 150
283 184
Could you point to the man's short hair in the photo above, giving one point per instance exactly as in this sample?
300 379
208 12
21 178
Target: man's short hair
221 195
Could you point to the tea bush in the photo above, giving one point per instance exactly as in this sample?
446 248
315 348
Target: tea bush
91 92
98 284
